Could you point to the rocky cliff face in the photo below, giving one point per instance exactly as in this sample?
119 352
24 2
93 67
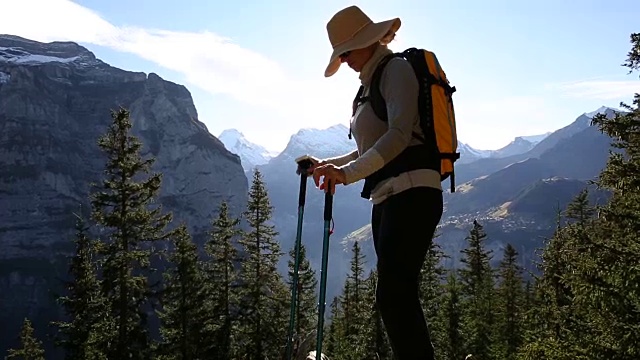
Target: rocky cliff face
55 102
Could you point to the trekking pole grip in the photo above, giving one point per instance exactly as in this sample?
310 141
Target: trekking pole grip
328 203
303 189
303 166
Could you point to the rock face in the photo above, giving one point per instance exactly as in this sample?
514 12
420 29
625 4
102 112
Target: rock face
55 102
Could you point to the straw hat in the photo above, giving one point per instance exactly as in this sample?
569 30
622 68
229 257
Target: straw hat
351 29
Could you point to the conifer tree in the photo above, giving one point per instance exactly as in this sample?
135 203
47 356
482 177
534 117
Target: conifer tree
357 292
432 276
31 347
578 234
335 339
122 206
306 314
509 301
548 335
355 307
451 312
221 283
183 303
607 275
580 211
376 341
264 295
476 278
352 313
528 304
83 336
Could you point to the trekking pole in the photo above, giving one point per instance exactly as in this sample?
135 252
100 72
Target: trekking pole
328 210
303 165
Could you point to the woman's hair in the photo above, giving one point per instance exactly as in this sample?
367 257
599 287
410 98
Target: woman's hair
388 37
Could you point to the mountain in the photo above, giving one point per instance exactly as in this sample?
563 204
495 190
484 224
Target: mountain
486 166
251 154
468 154
534 201
520 145
55 102
536 138
321 143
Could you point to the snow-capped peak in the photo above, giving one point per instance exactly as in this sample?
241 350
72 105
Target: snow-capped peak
231 136
465 149
251 154
321 143
331 141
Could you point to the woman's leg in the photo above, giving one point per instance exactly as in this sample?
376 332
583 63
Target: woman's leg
403 228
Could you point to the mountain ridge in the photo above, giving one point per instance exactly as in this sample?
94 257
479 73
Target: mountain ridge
55 103
256 154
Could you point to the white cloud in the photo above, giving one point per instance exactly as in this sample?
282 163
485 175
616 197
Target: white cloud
599 89
207 60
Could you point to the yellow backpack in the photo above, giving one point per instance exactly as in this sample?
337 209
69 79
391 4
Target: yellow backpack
437 116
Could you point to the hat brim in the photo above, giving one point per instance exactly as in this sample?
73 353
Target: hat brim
367 36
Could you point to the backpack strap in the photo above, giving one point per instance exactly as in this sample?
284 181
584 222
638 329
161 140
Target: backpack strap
377 100
359 99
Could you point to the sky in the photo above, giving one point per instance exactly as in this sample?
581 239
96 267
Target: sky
520 67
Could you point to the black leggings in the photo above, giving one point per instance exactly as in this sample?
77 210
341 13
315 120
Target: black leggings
403 227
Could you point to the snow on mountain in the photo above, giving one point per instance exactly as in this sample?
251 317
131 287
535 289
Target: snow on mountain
16 56
251 155
469 154
23 51
320 143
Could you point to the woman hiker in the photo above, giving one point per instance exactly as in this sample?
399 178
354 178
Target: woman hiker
406 208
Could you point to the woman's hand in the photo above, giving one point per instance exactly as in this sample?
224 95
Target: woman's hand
331 173
315 162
